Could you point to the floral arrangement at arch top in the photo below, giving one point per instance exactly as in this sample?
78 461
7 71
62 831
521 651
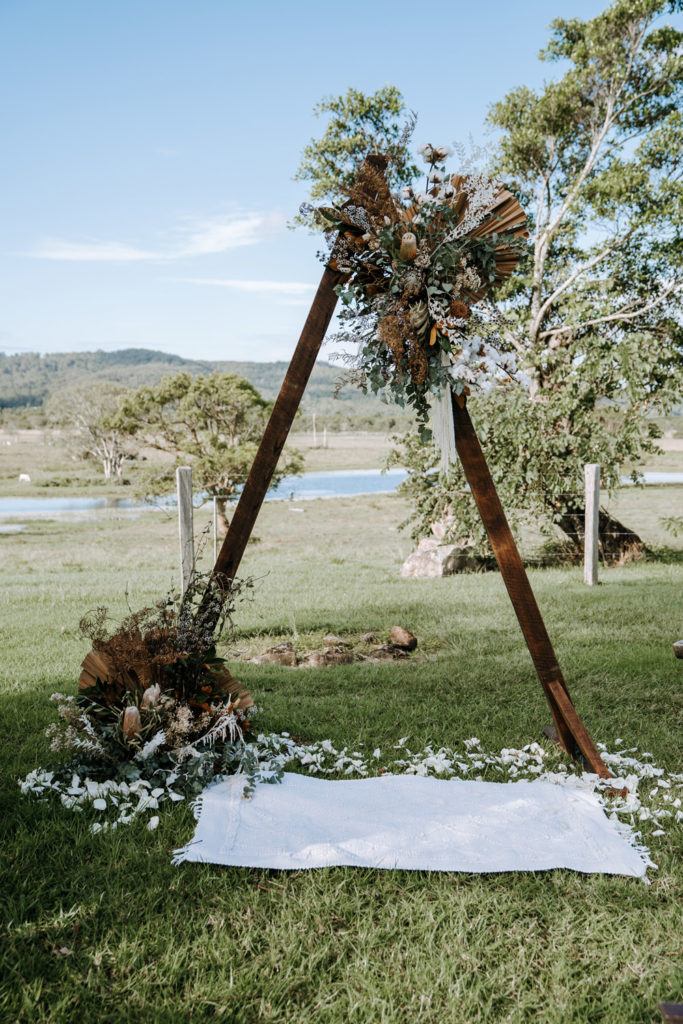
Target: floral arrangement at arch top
416 264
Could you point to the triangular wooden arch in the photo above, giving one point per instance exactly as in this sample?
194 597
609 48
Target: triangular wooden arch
571 732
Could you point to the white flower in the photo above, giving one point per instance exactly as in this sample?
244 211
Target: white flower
151 696
153 822
434 154
100 804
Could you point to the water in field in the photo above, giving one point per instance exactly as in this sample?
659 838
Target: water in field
333 484
336 484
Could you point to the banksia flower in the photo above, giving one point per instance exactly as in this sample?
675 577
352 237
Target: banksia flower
408 249
131 722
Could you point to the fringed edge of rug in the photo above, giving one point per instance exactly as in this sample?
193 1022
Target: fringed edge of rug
180 855
633 837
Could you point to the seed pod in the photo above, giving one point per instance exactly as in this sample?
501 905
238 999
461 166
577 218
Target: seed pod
460 310
131 722
408 250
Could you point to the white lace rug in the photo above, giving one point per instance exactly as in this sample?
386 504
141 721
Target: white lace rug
409 822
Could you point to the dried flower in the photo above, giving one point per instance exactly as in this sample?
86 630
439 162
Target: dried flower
131 722
460 310
151 696
408 249
434 154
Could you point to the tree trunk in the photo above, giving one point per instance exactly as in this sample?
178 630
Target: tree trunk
616 543
223 522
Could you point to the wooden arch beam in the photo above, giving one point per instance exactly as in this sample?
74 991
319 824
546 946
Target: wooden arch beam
571 731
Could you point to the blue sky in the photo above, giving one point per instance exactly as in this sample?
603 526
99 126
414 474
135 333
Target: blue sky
150 147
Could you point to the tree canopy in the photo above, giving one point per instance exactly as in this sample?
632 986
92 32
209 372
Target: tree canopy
358 124
88 416
213 422
596 157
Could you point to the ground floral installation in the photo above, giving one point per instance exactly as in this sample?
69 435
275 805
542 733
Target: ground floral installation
416 264
157 716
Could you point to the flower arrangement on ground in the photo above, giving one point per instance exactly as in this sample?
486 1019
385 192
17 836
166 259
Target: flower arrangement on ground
157 714
416 263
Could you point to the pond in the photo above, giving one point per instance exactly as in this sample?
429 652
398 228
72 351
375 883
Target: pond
334 484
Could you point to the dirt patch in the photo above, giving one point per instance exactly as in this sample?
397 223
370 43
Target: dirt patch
335 650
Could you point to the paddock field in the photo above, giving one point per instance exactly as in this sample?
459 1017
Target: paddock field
104 929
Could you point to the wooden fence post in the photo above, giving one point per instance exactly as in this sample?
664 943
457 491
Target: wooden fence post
215 529
592 512
185 524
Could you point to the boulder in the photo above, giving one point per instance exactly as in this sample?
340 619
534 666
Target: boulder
280 654
403 638
435 559
334 641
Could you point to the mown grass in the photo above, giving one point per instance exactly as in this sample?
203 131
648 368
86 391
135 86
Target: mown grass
103 928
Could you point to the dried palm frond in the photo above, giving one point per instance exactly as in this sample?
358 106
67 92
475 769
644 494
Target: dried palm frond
505 216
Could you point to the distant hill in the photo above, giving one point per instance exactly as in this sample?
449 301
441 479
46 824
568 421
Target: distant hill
29 380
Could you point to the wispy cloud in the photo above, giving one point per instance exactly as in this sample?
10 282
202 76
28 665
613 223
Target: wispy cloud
90 252
204 238
218 235
277 287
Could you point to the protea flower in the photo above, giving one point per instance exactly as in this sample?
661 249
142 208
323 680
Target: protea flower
131 722
151 696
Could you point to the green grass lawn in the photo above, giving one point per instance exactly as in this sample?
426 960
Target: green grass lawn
103 928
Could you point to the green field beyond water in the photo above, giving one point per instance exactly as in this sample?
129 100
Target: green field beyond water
104 929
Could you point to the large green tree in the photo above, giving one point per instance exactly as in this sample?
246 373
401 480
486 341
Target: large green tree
596 157
596 318
213 423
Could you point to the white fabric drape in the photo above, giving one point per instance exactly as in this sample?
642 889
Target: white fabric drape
410 822
443 431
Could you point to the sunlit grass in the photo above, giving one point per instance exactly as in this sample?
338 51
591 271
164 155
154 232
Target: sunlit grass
102 928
